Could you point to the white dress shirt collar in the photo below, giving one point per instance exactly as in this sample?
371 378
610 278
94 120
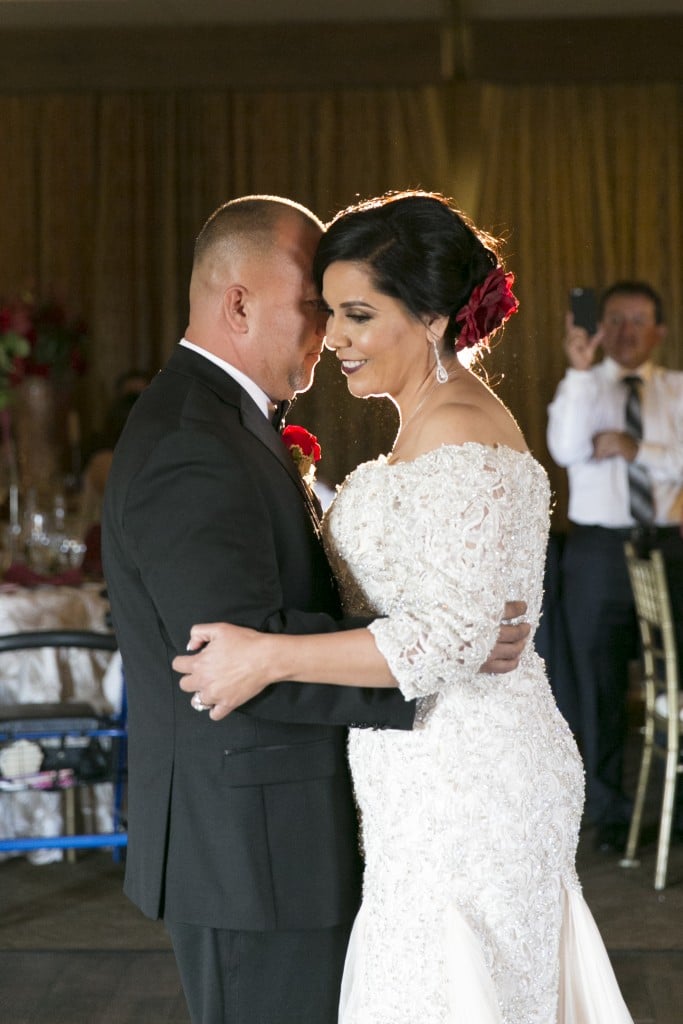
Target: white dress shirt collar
617 372
260 397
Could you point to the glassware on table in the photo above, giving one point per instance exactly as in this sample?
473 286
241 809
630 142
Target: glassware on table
67 543
39 553
69 551
49 537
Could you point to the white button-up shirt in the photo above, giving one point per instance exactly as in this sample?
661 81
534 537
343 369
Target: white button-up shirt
259 396
590 401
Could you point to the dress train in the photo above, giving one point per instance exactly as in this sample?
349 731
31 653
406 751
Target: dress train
588 989
589 993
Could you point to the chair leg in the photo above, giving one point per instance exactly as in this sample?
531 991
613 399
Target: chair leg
629 859
119 793
70 819
119 783
668 798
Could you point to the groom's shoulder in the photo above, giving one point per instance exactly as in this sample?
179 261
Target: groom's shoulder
190 392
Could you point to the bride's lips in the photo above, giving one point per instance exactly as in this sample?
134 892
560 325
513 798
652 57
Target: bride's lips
349 366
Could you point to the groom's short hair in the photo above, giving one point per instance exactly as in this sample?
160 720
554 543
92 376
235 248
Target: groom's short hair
247 223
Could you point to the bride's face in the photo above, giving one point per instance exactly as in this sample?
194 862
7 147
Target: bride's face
381 347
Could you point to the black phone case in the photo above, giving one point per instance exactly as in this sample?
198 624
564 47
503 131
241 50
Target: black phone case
583 305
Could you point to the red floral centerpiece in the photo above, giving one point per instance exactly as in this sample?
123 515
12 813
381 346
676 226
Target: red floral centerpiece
37 339
41 350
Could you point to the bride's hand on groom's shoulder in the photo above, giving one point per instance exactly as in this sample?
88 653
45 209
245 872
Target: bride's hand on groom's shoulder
226 669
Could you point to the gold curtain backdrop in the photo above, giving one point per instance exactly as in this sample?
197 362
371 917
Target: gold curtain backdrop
104 194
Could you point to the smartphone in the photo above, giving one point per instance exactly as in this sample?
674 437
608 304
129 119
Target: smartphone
584 307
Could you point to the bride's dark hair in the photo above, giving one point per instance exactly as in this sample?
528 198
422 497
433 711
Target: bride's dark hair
418 248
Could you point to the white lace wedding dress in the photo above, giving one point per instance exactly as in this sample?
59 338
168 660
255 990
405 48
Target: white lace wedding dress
472 911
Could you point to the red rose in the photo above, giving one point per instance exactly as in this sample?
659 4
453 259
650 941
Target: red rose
489 306
299 437
304 449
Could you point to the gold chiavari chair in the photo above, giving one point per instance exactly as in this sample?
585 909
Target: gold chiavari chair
663 710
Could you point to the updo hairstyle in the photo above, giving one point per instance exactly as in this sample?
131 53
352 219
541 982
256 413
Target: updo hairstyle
417 248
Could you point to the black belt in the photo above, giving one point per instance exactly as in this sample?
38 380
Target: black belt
641 532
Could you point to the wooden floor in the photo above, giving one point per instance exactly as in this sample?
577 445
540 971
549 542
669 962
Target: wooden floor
73 950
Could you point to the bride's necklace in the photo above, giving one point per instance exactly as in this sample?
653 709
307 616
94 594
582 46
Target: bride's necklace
406 423
435 384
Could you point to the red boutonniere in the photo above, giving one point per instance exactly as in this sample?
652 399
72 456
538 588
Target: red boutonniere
304 449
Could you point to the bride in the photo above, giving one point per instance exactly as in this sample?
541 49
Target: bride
472 912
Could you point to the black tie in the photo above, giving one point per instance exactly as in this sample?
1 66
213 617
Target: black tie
278 415
640 489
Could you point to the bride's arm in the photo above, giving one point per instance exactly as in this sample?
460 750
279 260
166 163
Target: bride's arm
235 663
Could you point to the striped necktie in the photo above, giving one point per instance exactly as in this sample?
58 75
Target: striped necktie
640 488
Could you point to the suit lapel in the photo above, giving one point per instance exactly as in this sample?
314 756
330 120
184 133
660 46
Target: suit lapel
255 422
192 364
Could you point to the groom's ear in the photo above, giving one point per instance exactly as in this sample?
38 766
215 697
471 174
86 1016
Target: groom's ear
236 308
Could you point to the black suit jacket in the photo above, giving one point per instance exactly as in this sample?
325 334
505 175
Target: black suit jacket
247 823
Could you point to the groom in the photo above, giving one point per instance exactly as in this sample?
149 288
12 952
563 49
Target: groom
242 833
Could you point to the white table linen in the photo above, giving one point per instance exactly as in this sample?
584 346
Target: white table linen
48 676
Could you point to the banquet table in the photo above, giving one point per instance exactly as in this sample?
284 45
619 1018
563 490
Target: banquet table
48 675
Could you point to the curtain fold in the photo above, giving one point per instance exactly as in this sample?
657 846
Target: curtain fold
105 193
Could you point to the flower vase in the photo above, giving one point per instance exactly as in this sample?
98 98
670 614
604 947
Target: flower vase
38 435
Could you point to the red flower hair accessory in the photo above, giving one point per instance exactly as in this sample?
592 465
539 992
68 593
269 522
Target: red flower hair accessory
304 449
488 307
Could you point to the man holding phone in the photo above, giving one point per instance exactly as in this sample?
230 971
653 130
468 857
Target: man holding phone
617 426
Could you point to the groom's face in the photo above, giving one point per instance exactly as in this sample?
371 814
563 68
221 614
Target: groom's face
288 324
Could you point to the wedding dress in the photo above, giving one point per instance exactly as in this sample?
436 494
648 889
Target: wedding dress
472 911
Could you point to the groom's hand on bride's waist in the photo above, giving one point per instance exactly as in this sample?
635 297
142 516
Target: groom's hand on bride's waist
512 638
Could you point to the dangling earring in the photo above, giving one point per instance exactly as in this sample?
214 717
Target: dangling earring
441 371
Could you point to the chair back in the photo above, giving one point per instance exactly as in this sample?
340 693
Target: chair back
655 622
79 745
58 638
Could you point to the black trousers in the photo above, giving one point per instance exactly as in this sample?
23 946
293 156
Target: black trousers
551 637
602 632
275 977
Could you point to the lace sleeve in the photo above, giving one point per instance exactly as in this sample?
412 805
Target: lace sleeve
446 602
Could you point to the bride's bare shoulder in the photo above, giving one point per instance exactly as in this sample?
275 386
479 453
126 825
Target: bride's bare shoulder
460 422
